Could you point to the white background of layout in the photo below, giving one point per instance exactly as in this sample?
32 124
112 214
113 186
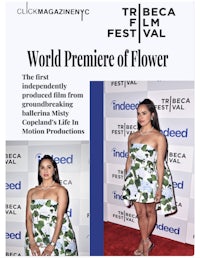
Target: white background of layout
34 32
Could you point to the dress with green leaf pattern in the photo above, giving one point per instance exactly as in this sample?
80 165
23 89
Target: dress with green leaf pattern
141 180
44 216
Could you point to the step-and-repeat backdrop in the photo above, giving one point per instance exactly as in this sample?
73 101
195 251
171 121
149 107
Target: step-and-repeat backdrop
174 101
21 174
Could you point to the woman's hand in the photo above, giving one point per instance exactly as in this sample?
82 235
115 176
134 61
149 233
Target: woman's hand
158 195
48 250
35 249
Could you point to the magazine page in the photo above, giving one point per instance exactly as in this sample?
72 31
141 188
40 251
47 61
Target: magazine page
78 75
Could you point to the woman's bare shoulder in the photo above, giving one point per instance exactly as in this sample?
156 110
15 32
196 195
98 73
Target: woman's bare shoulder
62 192
132 135
161 139
160 136
32 190
61 188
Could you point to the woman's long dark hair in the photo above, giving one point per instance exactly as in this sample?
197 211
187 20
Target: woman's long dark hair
152 109
55 175
155 122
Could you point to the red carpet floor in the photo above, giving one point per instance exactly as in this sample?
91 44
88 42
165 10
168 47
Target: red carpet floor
122 241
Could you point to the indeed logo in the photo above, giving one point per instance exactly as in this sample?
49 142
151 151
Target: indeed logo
119 154
117 196
13 186
13 235
69 213
171 230
178 185
124 105
175 133
58 160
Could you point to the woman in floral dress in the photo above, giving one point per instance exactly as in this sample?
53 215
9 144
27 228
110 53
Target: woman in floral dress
49 230
148 182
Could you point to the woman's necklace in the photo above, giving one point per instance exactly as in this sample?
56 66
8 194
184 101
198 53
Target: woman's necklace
47 187
147 132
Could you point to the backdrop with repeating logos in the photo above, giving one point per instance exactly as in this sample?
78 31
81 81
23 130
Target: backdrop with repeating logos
21 174
174 101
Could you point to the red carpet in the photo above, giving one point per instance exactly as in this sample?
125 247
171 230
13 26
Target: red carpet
122 241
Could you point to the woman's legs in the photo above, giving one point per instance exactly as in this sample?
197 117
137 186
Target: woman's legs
146 220
151 216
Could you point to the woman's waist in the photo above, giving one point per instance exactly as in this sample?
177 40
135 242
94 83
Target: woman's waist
48 218
143 166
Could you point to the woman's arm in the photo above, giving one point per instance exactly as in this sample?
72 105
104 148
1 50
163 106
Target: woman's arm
62 205
128 160
33 246
161 151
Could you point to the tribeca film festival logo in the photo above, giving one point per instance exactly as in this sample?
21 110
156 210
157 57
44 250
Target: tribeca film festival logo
172 103
123 129
125 216
11 158
143 22
118 175
123 84
13 254
28 10
177 157
13 208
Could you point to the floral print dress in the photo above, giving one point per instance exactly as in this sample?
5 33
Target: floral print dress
141 180
44 215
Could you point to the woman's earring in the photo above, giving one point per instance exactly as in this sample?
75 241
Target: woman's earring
151 118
